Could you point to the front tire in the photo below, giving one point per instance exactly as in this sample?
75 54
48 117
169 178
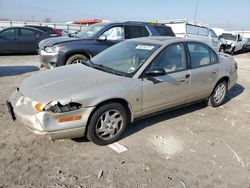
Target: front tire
218 95
77 58
107 124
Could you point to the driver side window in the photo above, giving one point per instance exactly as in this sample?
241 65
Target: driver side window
9 34
171 59
114 33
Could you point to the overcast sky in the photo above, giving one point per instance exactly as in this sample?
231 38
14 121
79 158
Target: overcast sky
216 13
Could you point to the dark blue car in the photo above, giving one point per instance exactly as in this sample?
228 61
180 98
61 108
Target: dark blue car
92 40
21 40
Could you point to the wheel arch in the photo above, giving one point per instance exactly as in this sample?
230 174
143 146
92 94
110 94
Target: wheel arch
224 78
121 101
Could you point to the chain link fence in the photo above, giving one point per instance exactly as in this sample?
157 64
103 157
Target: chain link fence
67 27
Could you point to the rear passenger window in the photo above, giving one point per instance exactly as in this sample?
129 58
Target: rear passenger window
213 57
132 31
9 33
164 31
199 55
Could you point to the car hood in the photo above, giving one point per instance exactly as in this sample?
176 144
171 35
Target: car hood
68 83
54 41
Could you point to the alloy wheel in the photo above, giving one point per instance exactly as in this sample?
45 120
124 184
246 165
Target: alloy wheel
109 124
219 93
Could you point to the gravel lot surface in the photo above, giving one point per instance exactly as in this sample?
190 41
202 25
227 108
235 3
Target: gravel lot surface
195 146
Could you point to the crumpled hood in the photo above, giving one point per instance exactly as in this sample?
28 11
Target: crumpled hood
231 42
67 82
55 40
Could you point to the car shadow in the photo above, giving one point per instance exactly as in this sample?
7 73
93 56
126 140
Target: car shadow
234 92
141 124
16 70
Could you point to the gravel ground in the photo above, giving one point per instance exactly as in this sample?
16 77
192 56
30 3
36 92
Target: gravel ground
195 146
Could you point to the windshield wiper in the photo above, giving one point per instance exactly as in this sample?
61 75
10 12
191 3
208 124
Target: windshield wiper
101 67
88 63
108 69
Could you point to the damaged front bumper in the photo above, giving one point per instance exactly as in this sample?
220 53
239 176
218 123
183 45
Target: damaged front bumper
46 123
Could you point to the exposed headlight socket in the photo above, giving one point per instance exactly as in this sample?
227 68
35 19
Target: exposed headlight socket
59 108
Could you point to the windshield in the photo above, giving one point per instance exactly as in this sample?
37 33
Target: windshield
124 58
228 36
90 31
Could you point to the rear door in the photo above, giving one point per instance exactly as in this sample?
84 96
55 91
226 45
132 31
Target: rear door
204 70
28 40
8 41
169 90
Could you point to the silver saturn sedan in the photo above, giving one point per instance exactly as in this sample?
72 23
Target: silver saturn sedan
132 79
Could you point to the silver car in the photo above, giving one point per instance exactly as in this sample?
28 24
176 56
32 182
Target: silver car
130 80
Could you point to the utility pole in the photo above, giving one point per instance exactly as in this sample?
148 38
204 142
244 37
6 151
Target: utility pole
195 13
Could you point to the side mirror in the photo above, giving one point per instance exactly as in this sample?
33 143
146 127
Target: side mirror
102 38
155 72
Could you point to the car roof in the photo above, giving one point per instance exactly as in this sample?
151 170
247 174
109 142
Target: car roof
132 23
20 27
162 40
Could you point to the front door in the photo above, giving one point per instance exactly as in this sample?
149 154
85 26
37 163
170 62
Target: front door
109 38
168 90
8 41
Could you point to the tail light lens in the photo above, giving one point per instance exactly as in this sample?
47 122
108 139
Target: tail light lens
58 32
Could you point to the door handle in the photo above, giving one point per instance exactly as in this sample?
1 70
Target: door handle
214 72
186 77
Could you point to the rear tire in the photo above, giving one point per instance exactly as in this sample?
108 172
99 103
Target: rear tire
107 124
77 58
218 95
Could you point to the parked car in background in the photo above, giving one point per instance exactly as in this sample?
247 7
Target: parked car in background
53 32
132 79
246 46
21 40
235 41
94 39
183 28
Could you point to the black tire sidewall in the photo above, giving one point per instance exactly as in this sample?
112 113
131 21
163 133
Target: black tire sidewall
211 101
91 133
75 57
